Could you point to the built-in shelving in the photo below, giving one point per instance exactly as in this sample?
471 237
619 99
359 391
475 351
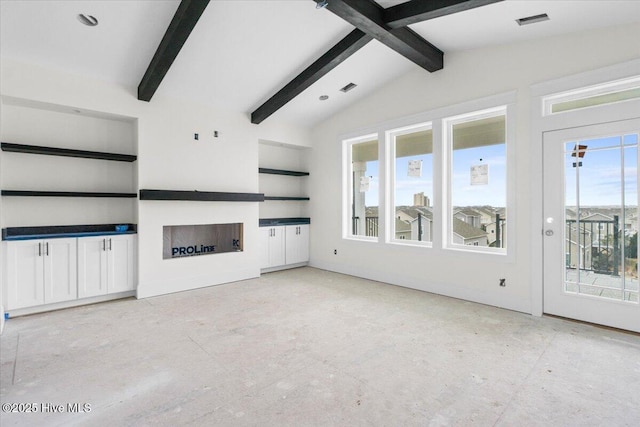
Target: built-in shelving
66 152
28 193
201 196
285 198
281 172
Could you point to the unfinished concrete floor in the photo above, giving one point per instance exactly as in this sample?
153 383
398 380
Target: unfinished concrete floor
310 347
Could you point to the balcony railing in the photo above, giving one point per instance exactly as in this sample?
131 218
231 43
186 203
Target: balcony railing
594 245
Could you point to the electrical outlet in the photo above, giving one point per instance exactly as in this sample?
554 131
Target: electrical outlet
335 252
196 136
215 133
503 282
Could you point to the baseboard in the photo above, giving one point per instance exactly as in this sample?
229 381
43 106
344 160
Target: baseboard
67 304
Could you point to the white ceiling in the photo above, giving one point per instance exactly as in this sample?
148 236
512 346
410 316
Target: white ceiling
242 52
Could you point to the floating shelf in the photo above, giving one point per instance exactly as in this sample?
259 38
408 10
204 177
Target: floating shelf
284 198
202 196
66 152
22 193
282 172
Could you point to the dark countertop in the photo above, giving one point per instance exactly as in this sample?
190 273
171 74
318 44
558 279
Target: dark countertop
271 222
62 231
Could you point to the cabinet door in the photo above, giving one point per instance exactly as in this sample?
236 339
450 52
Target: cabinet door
297 244
121 263
277 247
25 277
60 270
92 266
265 236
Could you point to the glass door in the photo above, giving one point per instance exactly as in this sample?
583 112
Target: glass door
591 224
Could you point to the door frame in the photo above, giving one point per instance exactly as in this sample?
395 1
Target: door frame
599 310
566 120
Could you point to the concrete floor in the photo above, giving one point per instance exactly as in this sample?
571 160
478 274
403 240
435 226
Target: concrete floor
309 347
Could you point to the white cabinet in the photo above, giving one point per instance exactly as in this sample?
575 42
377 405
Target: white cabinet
297 243
272 243
41 272
284 245
106 265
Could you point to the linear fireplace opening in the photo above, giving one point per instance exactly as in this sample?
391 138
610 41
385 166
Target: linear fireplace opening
181 241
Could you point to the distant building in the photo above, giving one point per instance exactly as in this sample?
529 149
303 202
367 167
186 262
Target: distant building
466 234
470 216
419 199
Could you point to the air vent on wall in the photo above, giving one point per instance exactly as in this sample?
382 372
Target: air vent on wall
348 87
533 19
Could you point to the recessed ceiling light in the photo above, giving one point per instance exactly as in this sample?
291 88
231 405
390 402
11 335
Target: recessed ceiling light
533 19
323 97
87 20
348 87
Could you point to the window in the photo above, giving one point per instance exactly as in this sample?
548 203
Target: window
412 184
437 180
477 179
363 180
609 93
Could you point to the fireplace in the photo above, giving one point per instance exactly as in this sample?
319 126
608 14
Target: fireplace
181 241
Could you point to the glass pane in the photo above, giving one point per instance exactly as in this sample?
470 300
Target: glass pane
607 98
601 210
413 189
478 183
364 194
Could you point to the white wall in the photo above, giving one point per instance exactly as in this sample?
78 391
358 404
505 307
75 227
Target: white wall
466 76
169 158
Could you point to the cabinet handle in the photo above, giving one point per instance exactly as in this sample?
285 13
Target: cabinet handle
39 249
104 244
47 246
109 244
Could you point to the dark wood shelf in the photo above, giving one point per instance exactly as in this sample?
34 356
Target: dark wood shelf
66 152
25 193
285 198
282 172
201 196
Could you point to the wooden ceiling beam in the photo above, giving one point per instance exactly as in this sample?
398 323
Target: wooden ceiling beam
415 11
183 22
327 62
368 16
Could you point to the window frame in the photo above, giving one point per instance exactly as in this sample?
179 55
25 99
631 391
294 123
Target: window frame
508 110
347 185
610 87
437 117
390 143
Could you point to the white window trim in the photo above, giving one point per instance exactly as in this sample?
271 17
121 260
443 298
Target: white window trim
587 92
390 144
467 113
347 183
436 117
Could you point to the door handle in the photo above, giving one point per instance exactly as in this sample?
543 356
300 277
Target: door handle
549 232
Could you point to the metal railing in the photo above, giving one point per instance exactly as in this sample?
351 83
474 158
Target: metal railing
594 245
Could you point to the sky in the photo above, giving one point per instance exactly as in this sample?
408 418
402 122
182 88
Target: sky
463 193
599 175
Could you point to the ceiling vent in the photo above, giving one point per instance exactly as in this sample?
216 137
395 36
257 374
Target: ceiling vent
532 19
348 87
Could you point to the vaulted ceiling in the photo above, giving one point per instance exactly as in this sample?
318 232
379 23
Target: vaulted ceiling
241 53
